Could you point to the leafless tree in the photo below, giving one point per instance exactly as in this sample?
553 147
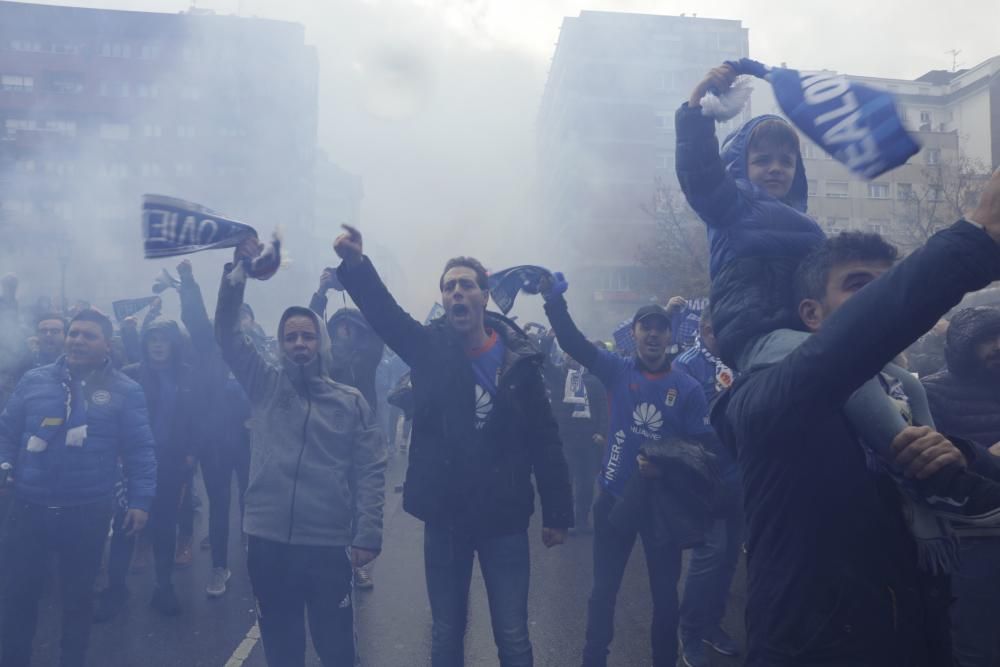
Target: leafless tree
950 188
677 255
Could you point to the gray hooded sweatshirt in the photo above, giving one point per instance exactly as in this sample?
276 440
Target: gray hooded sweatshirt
317 463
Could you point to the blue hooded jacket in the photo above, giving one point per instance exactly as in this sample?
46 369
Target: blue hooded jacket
755 240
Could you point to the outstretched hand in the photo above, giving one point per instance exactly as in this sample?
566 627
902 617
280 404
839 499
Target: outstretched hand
551 286
349 246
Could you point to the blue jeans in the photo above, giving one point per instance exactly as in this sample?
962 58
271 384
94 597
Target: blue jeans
612 548
710 570
506 567
975 614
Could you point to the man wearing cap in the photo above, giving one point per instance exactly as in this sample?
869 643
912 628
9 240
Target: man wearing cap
647 402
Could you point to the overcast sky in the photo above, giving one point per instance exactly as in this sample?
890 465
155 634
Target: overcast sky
434 102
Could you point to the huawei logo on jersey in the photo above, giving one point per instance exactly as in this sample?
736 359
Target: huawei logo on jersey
484 405
647 421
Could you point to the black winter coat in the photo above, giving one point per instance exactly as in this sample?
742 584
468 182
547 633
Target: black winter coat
449 481
964 398
832 568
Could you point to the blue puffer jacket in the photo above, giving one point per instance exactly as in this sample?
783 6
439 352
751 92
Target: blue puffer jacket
755 240
117 426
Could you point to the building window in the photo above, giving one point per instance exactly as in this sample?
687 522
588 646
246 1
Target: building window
933 156
878 190
147 90
17 83
837 189
811 151
63 127
149 51
935 193
813 187
925 117
25 45
149 169
115 131
15 125
183 168
65 49
878 225
66 83
114 89
60 168
25 166
190 93
185 131
116 50
115 169
904 191
152 131
837 225
663 160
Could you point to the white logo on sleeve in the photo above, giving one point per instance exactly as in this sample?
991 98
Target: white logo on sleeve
647 421
484 405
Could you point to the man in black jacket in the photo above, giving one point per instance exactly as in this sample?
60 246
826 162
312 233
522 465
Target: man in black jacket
965 401
833 571
482 425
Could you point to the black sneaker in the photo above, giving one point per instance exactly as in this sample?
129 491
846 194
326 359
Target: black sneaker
165 601
110 603
721 642
963 497
694 654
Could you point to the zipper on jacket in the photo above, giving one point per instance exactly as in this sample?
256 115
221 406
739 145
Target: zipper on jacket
302 450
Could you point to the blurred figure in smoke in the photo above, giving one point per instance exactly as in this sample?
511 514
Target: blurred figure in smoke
317 481
174 396
648 402
64 429
712 565
482 425
266 345
355 351
222 435
50 334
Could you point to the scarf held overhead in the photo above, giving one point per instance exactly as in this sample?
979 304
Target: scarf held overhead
856 124
172 227
128 307
505 285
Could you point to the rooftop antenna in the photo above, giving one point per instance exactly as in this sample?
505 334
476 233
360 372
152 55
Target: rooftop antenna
954 58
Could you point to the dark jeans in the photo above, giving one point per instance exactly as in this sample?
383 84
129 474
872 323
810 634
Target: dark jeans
287 580
76 536
710 572
505 565
171 479
584 459
119 552
976 611
217 470
612 548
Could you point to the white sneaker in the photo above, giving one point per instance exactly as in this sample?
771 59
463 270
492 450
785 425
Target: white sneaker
217 584
363 578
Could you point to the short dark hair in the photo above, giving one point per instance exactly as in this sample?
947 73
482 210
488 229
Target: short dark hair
774 132
482 277
45 317
814 271
96 316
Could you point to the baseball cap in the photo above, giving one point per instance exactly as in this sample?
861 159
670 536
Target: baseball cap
650 311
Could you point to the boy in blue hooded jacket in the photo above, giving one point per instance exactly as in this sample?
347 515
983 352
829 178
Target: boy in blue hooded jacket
752 196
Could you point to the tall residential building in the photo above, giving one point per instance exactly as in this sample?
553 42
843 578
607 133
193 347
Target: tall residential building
98 107
955 116
606 139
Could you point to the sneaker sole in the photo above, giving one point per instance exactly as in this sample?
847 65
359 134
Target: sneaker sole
987 519
686 662
729 653
215 594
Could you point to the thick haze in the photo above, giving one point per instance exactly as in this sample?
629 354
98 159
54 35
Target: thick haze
433 102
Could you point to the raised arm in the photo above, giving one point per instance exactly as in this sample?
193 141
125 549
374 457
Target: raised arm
395 326
886 316
708 188
194 315
252 371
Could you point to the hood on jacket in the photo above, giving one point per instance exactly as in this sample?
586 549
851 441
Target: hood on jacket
734 155
323 360
967 328
178 340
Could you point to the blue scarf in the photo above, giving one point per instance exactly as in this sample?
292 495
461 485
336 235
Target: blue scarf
856 124
505 285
